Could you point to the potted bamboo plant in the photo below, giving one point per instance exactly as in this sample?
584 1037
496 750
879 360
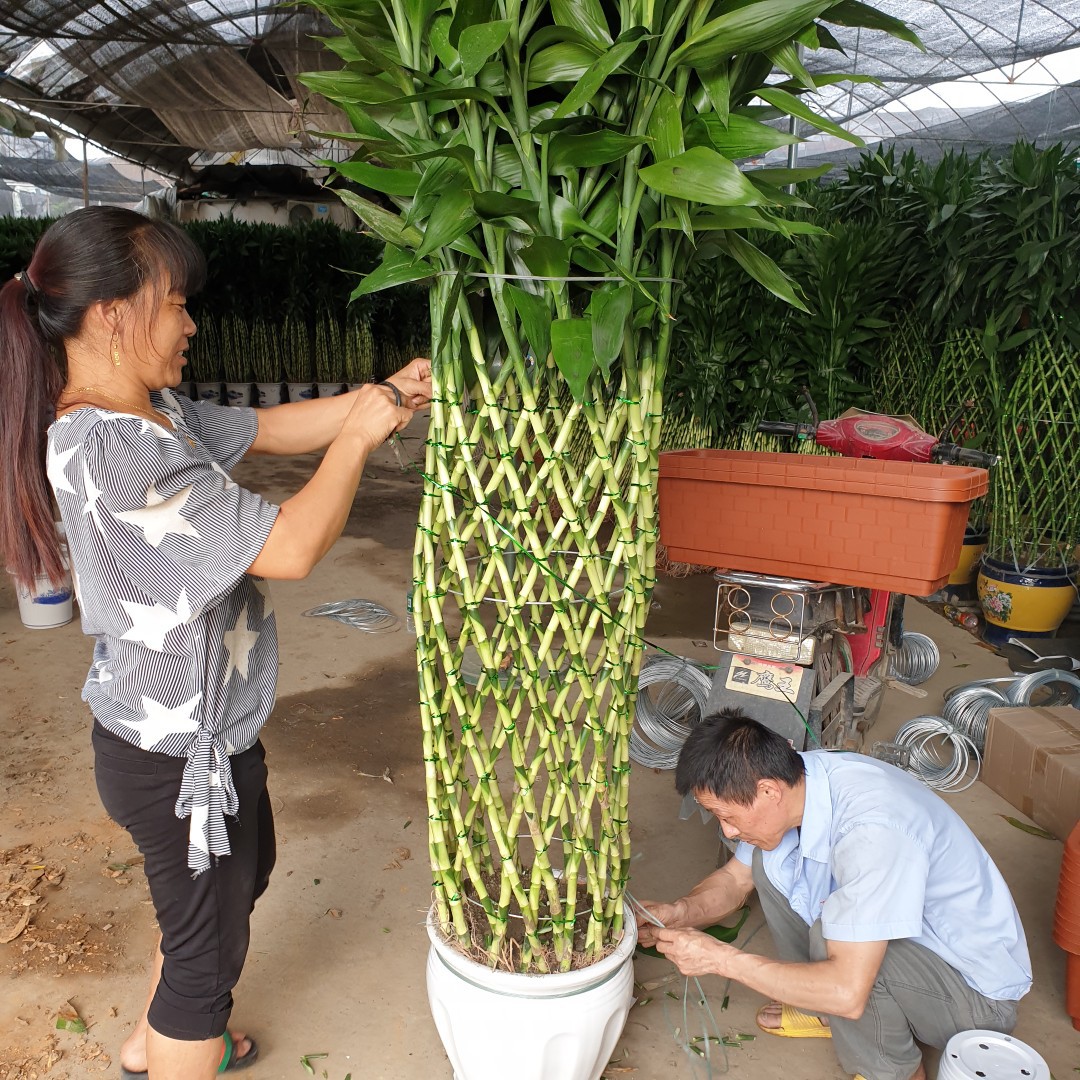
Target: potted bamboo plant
296 359
204 360
235 345
329 355
359 352
1027 581
550 169
266 363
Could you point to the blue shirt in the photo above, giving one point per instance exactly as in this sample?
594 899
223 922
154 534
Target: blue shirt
879 856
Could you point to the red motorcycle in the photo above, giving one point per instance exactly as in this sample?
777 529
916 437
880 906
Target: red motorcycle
842 637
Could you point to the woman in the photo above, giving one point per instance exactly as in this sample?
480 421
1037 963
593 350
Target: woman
170 557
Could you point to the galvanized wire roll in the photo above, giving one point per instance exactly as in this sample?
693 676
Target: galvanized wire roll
666 716
916 659
968 710
1065 684
364 615
941 756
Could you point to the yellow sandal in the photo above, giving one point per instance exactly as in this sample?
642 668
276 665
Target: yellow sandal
795 1024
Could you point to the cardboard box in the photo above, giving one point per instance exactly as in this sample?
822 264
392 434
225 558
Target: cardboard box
1032 759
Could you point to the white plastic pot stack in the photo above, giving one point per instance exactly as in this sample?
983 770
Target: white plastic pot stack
989 1055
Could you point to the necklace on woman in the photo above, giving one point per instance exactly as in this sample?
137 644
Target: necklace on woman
150 414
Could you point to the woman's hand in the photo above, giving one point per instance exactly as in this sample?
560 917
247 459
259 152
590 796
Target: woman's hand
374 416
416 372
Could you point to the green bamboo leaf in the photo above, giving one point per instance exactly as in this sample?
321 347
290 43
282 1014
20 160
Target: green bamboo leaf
603 215
350 86
702 175
586 16
665 127
761 268
740 137
397 268
535 318
729 217
547 256
586 87
439 36
571 346
386 225
826 40
569 223
717 83
452 217
507 166
789 103
568 151
468 13
852 13
751 28
567 62
610 309
389 181
479 42
1032 830
786 58
495 206
419 11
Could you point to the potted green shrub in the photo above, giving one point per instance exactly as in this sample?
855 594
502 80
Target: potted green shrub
235 345
204 360
359 351
550 169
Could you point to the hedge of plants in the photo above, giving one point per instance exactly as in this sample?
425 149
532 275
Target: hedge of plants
276 304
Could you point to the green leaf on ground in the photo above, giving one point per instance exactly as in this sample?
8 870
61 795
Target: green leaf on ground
1034 830
307 1059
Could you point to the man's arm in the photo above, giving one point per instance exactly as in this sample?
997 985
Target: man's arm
707 903
837 986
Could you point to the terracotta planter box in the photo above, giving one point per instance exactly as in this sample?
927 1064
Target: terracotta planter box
854 521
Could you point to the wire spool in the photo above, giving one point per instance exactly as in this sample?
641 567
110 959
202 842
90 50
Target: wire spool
916 660
968 710
672 692
364 615
1064 684
941 756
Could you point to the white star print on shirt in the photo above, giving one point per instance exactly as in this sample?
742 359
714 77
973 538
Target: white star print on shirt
263 586
161 517
93 493
150 623
197 832
159 722
229 482
54 468
239 641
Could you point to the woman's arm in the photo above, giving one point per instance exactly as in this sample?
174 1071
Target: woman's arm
308 524
302 427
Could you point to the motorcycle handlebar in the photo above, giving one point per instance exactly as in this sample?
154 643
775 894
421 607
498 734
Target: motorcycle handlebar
777 427
949 454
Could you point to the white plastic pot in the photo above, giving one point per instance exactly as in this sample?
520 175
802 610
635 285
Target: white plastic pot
46 604
300 391
269 393
498 1024
975 1055
238 394
208 391
329 389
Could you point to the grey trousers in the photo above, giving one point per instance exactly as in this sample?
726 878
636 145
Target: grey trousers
916 996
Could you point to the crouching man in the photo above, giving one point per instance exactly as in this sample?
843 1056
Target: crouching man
891 922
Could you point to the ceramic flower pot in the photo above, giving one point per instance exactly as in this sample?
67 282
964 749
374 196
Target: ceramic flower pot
237 394
329 389
208 391
495 1024
1025 603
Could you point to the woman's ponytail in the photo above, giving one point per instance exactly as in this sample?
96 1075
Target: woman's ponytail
30 383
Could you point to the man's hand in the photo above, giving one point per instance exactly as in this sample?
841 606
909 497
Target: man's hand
668 915
695 953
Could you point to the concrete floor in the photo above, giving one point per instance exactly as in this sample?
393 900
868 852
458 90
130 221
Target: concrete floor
338 948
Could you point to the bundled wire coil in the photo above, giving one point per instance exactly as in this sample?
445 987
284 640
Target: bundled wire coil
916 659
941 756
968 710
666 715
1065 686
364 615
967 707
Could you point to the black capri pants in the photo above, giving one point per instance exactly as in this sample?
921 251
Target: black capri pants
204 920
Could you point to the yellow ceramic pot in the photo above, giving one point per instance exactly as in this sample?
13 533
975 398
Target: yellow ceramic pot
968 564
1029 603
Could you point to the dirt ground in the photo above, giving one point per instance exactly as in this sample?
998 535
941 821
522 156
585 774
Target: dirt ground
336 967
